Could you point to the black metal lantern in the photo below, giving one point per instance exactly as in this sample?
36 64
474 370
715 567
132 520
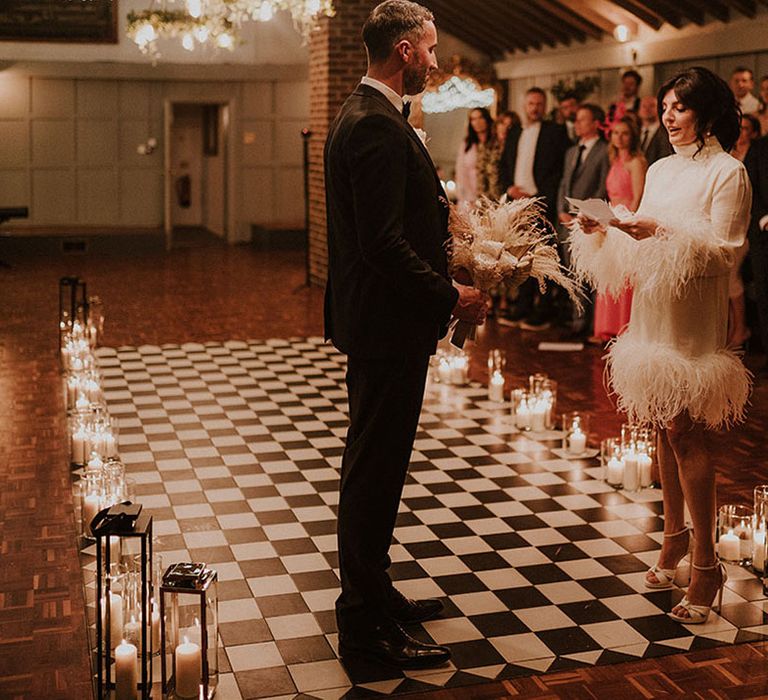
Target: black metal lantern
123 594
189 631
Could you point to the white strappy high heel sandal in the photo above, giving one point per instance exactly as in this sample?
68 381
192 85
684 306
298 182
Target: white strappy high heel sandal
665 578
698 614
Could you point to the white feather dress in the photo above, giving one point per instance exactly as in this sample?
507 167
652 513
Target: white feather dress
672 357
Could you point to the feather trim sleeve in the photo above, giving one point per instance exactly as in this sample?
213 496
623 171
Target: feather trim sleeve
684 247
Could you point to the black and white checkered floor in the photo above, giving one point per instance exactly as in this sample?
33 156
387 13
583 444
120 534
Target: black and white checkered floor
236 448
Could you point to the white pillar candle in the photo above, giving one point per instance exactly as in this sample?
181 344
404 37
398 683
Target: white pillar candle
72 384
110 445
496 387
155 628
577 442
539 415
126 671
631 479
444 371
729 547
615 473
82 403
644 465
91 507
745 542
523 416
132 632
79 445
188 669
115 617
758 549
459 370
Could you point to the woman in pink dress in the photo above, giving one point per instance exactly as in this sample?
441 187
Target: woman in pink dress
624 186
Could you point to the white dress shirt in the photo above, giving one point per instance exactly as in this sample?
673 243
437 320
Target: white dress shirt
749 104
526 154
388 92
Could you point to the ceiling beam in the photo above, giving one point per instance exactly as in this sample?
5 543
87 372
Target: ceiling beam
663 10
718 9
746 7
693 10
565 14
538 20
504 16
641 12
455 22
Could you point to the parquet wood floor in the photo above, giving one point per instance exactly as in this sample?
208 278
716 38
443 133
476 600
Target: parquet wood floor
209 292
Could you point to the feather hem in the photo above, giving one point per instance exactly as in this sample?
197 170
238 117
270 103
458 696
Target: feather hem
655 383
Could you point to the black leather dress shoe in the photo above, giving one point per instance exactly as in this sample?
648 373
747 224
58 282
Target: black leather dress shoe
407 611
388 644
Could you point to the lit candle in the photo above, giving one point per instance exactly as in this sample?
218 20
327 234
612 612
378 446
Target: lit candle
126 671
523 416
132 632
79 445
496 387
188 669
72 385
539 415
444 371
577 442
631 472
110 445
459 370
155 628
91 507
644 466
758 549
95 462
745 541
729 547
82 404
615 473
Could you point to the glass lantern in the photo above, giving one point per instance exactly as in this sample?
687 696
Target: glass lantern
612 462
575 433
189 631
521 412
124 665
734 530
542 401
496 364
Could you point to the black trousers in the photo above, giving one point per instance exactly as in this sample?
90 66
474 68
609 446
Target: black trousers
758 258
385 398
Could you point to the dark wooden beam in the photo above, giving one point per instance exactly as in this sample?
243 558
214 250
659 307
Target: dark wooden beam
569 17
454 21
746 7
663 10
503 15
693 10
718 9
542 20
641 12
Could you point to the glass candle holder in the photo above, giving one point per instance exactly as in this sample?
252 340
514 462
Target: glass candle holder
575 427
543 401
91 491
612 463
459 362
520 408
760 530
496 364
734 529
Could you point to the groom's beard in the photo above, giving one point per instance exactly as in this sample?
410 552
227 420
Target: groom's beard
415 79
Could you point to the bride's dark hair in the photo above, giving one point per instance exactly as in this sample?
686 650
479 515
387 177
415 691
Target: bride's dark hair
709 97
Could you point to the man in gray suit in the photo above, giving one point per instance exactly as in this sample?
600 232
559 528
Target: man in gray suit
584 174
654 141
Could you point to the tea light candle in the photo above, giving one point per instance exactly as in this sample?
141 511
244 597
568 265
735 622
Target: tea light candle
644 466
615 473
126 671
188 669
577 442
631 472
496 387
729 546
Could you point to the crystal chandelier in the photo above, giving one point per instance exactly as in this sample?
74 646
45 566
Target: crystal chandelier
216 22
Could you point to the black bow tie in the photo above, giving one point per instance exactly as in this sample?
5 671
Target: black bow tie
406 109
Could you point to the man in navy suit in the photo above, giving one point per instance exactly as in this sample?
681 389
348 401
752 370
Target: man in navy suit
388 300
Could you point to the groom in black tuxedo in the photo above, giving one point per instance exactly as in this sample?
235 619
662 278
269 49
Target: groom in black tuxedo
388 300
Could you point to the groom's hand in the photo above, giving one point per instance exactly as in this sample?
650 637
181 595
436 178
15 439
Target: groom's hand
472 305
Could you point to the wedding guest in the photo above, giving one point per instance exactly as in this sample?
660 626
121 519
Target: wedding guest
742 84
672 367
757 166
624 187
738 330
566 114
472 175
762 112
628 99
532 165
654 141
504 122
388 300
584 176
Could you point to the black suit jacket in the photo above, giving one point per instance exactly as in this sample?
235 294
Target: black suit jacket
756 163
551 146
659 146
388 288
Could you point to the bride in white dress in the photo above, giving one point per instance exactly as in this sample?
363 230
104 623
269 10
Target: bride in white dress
672 367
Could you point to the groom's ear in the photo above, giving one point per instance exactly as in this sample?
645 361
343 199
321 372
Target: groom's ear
404 49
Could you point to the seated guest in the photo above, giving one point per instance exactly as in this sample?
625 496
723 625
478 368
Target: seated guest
757 167
479 137
628 99
624 185
654 142
742 84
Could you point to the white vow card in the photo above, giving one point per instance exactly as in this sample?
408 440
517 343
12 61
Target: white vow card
596 209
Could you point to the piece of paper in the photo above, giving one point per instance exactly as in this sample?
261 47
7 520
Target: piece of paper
596 209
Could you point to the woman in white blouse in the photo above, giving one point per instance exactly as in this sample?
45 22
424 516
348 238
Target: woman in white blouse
479 136
672 367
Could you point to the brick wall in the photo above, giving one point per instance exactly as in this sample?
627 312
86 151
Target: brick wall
336 64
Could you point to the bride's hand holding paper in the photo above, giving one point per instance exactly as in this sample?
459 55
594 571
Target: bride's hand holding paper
637 228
